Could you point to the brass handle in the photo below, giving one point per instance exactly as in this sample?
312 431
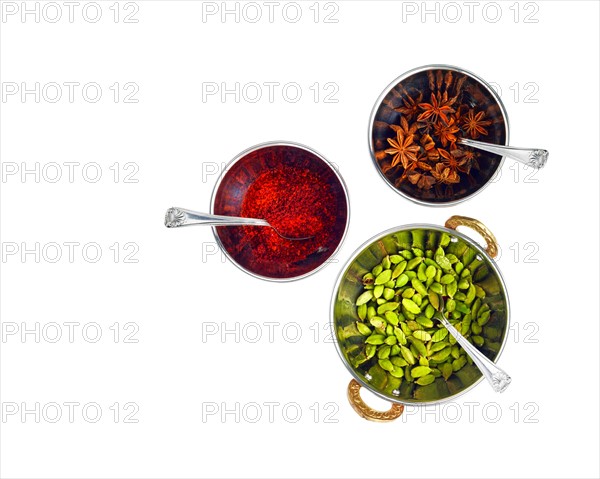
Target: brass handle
490 240
365 411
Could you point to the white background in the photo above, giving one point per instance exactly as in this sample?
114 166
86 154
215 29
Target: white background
544 425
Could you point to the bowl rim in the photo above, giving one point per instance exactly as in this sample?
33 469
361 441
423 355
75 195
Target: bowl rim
357 253
392 85
243 154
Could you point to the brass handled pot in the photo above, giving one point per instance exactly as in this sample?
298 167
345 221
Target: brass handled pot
491 329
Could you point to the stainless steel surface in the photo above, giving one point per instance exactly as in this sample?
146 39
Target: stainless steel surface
402 77
497 378
533 157
239 157
176 217
452 233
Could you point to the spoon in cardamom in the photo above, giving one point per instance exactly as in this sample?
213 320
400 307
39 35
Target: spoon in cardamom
176 217
533 157
497 378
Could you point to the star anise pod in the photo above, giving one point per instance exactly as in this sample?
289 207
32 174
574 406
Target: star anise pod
422 180
403 149
445 175
474 123
429 146
411 106
380 155
445 131
405 127
458 85
439 107
439 78
460 112
448 79
426 126
470 158
431 79
386 167
455 160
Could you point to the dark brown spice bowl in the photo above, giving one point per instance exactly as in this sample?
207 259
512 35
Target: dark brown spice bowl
258 250
414 127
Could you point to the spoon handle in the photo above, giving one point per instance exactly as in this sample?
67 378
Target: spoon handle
533 157
176 217
495 376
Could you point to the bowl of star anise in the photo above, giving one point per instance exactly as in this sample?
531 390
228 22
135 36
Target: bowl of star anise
417 128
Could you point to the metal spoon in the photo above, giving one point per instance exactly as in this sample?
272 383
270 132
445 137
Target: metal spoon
498 379
533 157
176 217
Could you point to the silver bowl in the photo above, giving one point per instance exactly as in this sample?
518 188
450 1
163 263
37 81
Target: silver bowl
245 165
382 112
343 314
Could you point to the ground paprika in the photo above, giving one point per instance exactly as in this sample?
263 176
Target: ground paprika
295 191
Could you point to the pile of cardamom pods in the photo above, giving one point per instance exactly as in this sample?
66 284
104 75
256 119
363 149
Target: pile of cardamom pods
396 314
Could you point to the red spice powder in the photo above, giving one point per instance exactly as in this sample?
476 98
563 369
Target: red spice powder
296 201
299 194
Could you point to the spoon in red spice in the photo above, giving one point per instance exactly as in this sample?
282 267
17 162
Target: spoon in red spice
176 217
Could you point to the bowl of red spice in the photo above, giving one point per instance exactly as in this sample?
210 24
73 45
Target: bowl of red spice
299 193
417 126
